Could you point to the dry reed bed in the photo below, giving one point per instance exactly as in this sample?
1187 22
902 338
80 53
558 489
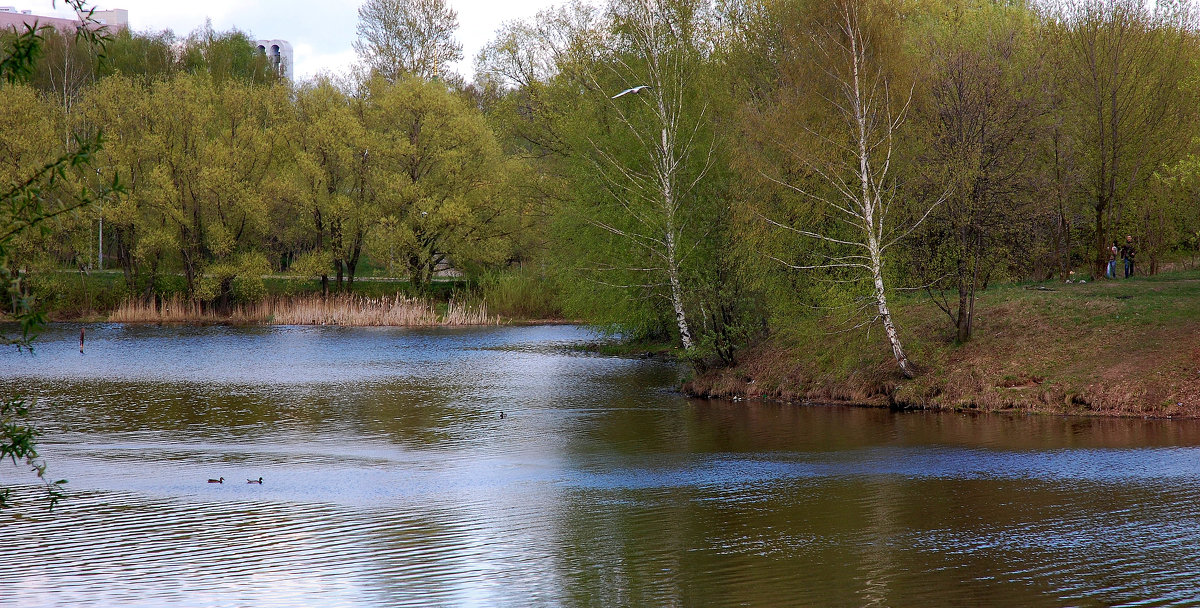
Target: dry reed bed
346 310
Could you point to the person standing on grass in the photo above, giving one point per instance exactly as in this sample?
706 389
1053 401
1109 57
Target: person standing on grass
1112 261
1127 254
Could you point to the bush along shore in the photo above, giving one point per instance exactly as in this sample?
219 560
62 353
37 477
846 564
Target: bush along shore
1121 348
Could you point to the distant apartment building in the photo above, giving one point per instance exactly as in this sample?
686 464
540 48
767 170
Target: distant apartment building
10 17
279 53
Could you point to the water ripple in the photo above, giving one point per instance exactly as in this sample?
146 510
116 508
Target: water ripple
391 480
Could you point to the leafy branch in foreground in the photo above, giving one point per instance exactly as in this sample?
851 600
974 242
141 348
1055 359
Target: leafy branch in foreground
22 207
18 443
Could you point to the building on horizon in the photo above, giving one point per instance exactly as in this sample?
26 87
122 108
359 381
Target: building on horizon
113 19
279 53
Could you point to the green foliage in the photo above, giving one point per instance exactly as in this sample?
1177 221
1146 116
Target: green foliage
239 278
520 293
224 56
645 214
18 443
23 209
33 197
441 178
312 264
143 54
76 293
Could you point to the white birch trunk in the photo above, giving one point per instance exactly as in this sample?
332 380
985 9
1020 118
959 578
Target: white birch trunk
869 205
685 334
863 205
666 174
885 315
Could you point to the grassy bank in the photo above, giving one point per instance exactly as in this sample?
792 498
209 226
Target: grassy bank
1109 347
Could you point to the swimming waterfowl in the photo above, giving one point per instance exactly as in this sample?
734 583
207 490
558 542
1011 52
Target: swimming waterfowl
258 481
221 480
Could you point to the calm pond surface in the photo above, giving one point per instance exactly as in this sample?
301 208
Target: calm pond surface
391 480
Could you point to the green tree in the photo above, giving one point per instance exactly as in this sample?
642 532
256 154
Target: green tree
984 126
838 168
331 154
136 228
142 54
437 172
415 38
1125 75
226 55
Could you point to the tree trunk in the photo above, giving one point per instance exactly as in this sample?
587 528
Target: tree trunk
872 224
666 172
685 333
963 323
1101 259
885 315
352 263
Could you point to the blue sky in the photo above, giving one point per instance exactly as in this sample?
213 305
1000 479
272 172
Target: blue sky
321 32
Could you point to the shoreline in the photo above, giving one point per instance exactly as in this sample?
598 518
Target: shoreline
887 402
1104 349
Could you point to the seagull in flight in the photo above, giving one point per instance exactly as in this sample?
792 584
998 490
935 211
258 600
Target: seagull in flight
635 90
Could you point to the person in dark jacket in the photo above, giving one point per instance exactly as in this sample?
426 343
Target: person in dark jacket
1127 253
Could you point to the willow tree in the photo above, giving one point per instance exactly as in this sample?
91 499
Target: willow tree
329 149
29 138
134 228
213 151
437 175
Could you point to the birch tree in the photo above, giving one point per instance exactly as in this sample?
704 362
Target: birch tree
849 172
658 150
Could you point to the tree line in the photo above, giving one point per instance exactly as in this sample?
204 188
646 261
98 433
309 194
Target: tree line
682 170
229 175
778 159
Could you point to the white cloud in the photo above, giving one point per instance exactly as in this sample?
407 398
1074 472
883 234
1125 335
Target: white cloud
310 62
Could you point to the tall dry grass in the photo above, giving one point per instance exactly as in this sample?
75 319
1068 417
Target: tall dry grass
346 310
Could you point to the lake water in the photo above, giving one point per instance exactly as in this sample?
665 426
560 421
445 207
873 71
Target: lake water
390 479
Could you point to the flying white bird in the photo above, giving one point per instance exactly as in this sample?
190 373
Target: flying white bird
637 89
